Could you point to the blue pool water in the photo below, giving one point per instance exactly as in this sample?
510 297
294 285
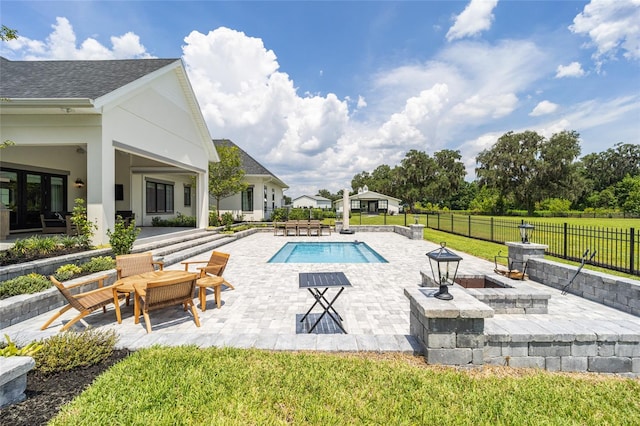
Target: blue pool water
337 252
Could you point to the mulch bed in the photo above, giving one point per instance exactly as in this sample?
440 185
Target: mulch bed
47 393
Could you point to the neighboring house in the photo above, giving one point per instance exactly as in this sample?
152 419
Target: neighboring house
121 134
366 201
312 202
265 192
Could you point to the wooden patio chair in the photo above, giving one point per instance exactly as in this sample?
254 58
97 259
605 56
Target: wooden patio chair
86 302
314 228
134 264
214 266
162 294
291 225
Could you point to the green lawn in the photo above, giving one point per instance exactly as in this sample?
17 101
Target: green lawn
192 386
607 253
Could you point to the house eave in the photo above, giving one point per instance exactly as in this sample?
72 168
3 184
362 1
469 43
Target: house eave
48 105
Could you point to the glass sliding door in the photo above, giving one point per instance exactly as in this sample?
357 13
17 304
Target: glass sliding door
9 195
28 194
33 200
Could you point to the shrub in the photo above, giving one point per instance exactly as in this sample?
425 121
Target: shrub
70 349
97 264
180 220
10 349
66 272
214 219
279 215
24 284
123 237
85 227
227 220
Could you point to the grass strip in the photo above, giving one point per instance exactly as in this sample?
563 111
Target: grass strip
187 386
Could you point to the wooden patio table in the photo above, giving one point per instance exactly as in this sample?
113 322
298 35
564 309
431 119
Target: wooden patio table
125 285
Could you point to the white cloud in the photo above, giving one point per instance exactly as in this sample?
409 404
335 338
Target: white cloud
475 18
612 25
574 69
543 108
62 44
316 141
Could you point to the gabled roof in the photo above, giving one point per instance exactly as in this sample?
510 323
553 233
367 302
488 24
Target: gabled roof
313 197
369 195
249 164
71 79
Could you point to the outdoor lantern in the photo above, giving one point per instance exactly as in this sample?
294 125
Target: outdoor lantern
444 267
525 231
79 183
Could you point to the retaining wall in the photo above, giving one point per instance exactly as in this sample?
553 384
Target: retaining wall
455 332
617 292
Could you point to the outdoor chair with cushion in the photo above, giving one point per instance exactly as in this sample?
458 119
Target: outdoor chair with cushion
85 303
134 264
162 294
53 223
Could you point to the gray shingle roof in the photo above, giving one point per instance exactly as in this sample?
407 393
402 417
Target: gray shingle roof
249 164
71 79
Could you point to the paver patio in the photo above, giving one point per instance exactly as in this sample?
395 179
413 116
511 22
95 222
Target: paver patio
262 311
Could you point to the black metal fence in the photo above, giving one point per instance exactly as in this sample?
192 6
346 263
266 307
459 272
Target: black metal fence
616 248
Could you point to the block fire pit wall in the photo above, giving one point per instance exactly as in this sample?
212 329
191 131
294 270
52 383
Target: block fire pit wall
453 332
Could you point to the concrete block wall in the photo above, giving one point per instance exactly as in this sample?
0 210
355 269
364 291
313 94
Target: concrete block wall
22 307
450 331
571 353
13 378
617 292
454 333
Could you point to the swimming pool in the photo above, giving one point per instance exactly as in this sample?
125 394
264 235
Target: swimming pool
335 252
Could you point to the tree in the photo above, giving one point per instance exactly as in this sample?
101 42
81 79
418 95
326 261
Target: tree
225 176
609 167
628 194
449 177
417 172
560 175
527 168
7 33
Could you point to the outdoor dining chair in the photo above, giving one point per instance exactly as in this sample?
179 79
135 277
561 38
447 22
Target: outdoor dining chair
214 266
162 294
134 264
85 303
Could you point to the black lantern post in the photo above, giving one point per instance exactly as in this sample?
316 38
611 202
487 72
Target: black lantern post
445 263
525 231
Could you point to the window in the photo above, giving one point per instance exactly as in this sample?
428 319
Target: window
265 198
187 196
247 200
159 197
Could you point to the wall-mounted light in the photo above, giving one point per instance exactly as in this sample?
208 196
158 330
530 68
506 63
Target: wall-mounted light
79 183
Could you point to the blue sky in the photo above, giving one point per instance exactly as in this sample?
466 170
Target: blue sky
319 91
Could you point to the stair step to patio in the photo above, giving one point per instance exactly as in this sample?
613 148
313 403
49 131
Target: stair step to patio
176 247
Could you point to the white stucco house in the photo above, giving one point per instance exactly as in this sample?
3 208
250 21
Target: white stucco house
372 202
264 193
120 134
311 202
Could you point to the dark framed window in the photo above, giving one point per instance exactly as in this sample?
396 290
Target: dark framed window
187 196
247 199
159 197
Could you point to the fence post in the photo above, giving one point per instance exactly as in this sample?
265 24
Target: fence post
491 228
632 241
452 224
438 221
564 244
469 225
